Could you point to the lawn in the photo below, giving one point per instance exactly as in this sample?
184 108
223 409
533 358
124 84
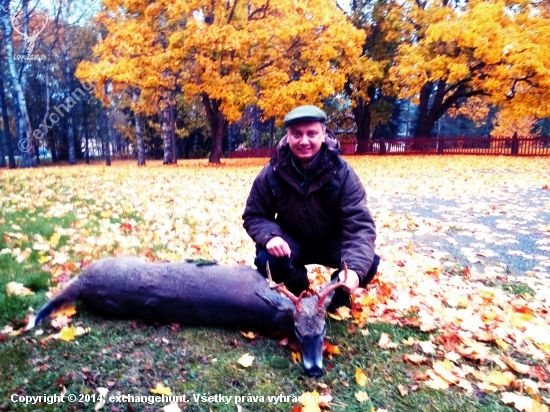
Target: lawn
457 318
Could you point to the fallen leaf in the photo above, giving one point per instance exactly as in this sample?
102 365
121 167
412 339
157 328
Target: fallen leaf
385 342
427 347
452 356
79 331
330 349
173 407
518 367
249 335
310 401
296 357
246 360
523 403
160 389
360 377
436 382
60 321
66 311
361 396
67 334
538 373
17 289
415 358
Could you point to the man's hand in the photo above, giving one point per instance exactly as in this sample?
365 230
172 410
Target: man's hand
278 247
352 282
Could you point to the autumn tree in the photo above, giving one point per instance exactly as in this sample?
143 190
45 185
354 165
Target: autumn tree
230 54
496 50
368 80
506 125
18 79
132 66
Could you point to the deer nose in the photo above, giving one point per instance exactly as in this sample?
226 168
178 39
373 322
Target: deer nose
314 372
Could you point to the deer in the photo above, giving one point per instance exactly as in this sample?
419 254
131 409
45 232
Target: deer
201 295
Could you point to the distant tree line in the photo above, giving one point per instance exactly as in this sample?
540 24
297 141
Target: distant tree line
180 79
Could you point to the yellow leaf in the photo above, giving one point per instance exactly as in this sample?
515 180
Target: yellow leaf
437 382
17 289
67 311
409 341
360 377
361 396
54 239
160 389
343 312
518 367
310 400
523 403
296 357
43 259
67 333
249 335
246 360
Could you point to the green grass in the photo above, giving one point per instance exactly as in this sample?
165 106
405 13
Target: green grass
131 357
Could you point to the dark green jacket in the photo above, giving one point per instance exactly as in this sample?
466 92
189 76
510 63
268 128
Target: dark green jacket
326 201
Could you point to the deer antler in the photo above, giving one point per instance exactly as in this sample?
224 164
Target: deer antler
279 287
14 26
322 296
46 20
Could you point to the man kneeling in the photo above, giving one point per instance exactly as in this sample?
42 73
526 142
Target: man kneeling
308 206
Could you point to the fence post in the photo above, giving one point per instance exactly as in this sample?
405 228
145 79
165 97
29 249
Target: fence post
515 144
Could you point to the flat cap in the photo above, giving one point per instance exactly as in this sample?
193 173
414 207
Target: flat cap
305 114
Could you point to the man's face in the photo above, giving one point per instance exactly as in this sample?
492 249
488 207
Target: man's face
305 139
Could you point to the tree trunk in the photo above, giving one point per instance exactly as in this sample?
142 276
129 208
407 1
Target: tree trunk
7 132
217 122
67 71
429 115
139 136
24 129
271 132
166 133
363 116
255 135
85 127
173 134
105 141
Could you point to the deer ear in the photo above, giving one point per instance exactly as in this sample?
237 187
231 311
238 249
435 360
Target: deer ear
278 302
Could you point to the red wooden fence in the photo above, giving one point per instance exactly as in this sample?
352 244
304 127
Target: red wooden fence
522 146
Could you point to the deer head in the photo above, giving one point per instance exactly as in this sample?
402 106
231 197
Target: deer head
308 313
29 39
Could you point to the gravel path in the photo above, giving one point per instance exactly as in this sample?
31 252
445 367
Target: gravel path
508 230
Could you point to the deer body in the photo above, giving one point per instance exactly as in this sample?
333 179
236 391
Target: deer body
216 295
